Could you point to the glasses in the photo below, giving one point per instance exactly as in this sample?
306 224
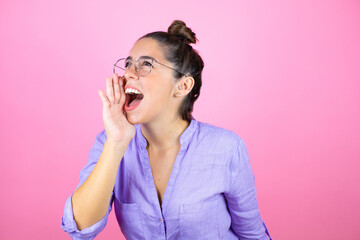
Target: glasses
143 66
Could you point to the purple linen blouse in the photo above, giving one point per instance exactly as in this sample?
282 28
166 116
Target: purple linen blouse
211 192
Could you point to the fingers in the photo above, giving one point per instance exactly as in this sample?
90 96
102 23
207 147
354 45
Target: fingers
103 98
110 89
122 92
116 88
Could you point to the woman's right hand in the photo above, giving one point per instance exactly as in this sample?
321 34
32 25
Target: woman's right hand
117 127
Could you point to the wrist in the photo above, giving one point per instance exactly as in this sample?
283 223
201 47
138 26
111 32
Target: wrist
117 144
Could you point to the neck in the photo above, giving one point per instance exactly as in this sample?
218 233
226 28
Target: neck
163 134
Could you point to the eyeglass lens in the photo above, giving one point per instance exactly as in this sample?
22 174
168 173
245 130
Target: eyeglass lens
143 66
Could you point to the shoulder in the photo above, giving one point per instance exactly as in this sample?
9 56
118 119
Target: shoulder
218 136
210 130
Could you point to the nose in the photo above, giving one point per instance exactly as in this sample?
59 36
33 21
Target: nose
131 73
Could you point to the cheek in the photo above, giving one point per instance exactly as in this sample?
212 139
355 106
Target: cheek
158 94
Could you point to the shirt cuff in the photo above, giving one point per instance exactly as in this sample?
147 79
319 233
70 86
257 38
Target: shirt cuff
68 223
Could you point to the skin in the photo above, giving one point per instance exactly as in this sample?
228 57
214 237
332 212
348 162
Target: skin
158 114
160 124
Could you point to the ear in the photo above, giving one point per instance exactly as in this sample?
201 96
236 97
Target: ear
184 86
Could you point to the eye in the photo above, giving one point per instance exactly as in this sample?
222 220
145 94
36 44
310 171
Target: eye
146 63
127 64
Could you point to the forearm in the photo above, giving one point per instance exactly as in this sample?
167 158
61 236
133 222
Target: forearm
91 200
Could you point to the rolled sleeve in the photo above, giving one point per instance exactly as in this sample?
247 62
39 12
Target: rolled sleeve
246 220
68 223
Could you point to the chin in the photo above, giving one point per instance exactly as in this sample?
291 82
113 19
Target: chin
134 118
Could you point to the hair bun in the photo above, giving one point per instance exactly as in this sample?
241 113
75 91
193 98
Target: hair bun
180 29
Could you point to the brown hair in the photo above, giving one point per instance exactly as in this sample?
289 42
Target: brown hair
177 50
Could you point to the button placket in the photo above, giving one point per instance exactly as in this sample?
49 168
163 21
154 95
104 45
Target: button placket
184 142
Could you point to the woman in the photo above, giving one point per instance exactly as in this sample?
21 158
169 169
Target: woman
169 176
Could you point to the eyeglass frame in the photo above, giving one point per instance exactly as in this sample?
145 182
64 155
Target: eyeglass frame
136 65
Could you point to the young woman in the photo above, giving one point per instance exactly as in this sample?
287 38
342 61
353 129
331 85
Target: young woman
169 175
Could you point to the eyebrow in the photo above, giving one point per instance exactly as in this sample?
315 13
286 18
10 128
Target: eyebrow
147 57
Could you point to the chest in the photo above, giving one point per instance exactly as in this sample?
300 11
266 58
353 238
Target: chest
161 167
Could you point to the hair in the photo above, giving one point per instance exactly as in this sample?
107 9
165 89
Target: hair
177 50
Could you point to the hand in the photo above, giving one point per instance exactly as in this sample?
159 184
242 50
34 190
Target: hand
117 127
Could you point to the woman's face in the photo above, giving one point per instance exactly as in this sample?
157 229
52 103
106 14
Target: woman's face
157 88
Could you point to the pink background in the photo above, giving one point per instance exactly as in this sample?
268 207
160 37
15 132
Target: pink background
284 75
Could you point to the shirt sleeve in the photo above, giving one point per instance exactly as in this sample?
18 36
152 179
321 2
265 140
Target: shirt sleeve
246 220
68 223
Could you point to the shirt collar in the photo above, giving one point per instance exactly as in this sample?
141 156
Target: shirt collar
184 137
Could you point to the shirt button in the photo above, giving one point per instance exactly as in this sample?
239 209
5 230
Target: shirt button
161 220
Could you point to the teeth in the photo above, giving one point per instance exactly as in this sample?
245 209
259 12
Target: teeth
131 90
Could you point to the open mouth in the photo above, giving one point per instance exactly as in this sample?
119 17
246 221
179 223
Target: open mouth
133 98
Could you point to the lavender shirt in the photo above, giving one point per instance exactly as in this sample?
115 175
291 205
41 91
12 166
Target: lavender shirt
211 192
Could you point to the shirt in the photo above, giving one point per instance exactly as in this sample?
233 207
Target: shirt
210 194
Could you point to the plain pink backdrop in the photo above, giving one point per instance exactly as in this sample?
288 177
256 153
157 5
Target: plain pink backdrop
283 75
